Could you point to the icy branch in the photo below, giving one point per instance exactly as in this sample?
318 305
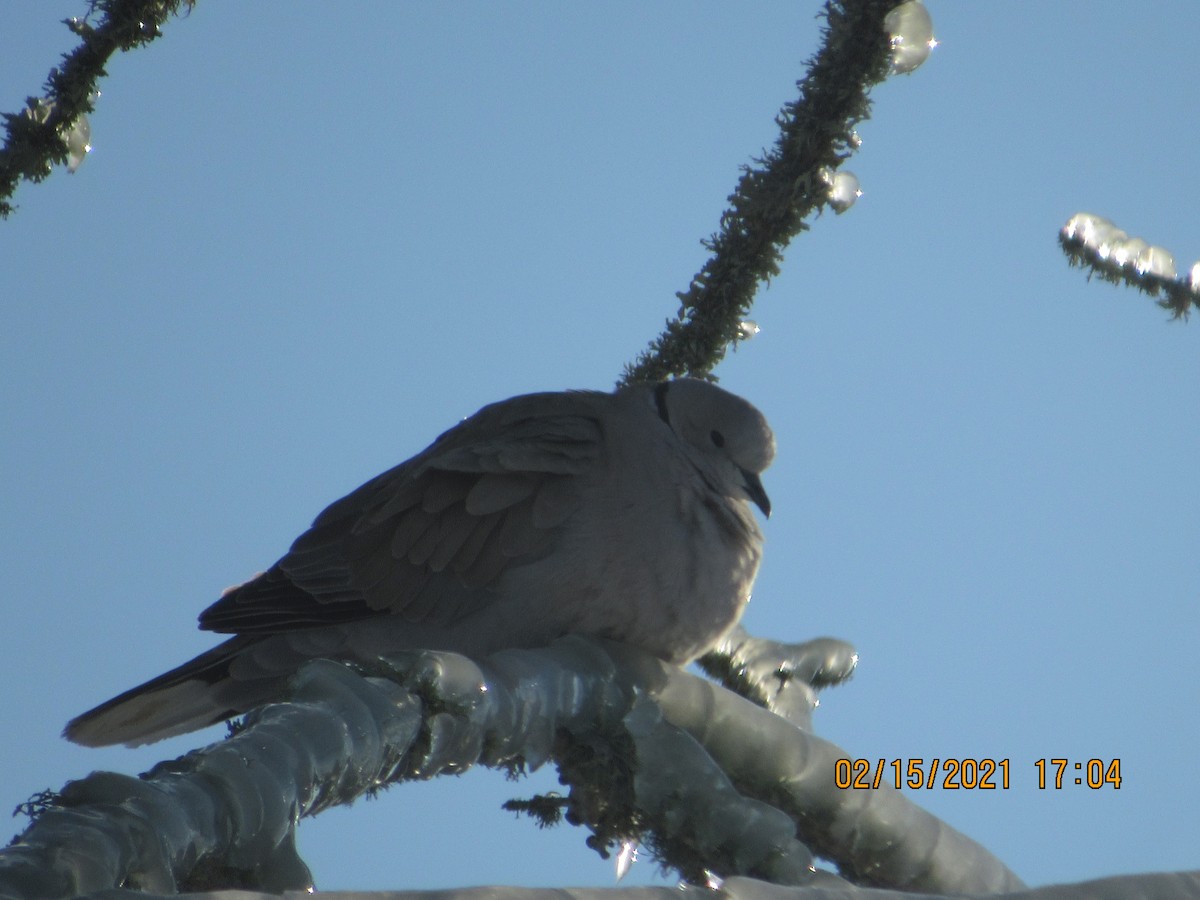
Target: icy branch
1096 244
716 786
1156 886
53 129
775 196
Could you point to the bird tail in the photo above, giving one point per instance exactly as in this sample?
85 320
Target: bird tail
185 699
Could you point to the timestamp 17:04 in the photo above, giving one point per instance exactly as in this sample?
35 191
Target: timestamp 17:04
1095 773
971 774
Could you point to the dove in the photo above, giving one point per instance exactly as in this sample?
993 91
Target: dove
624 516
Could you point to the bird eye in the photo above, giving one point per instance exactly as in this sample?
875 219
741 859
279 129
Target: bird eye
718 438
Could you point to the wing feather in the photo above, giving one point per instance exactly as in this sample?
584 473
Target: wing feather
467 555
493 492
395 499
427 544
443 492
398 581
519 537
556 501
407 530
487 566
455 531
428 538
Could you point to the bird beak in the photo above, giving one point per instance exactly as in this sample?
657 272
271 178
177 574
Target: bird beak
754 490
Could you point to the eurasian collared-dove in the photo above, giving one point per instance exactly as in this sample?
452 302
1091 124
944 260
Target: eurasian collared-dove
621 515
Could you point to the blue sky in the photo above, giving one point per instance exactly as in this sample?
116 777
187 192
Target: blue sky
312 236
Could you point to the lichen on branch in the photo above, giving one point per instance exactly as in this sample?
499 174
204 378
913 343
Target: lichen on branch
36 138
777 194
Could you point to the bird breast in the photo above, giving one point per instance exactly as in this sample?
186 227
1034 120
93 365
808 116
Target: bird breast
666 570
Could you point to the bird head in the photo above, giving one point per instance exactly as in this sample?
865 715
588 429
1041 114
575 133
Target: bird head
728 433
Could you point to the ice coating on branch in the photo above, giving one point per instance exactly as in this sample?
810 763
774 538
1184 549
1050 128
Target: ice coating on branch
1074 227
1107 240
747 328
1096 233
911 30
1094 241
1155 261
77 138
713 881
843 189
1125 253
79 143
1110 244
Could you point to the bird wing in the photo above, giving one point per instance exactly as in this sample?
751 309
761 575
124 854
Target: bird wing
426 539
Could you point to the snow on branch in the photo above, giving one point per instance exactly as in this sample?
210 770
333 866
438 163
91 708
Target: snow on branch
714 785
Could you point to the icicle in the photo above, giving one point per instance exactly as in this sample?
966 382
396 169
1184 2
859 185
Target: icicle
626 858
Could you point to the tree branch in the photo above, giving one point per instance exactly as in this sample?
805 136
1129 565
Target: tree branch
1096 244
36 137
774 197
1158 885
715 785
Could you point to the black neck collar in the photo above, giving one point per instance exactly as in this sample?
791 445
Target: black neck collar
660 400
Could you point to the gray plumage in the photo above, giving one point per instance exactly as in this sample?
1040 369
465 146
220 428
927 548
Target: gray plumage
624 516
